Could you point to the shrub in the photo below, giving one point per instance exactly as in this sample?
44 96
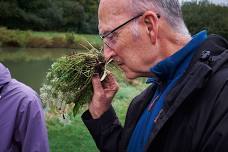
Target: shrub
9 38
70 39
11 43
38 42
58 42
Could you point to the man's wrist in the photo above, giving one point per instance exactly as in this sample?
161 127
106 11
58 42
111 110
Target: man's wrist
96 114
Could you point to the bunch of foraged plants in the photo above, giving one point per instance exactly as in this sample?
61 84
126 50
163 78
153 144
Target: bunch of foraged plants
68 81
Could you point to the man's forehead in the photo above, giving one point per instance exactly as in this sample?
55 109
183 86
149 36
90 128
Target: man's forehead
110 13
113 4
113 7
109 23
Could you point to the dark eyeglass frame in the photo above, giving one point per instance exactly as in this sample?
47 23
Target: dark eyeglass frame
118 27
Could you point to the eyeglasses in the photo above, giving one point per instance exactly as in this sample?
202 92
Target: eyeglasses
108 37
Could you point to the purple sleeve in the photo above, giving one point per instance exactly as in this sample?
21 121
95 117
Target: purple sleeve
31 131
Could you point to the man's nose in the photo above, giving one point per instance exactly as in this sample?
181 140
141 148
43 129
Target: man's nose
108 53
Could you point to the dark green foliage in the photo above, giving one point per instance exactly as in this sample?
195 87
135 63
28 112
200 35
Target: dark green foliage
48 15
73 15
81 16
30 14
205 15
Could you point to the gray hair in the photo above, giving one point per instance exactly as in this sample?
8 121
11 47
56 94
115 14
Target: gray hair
170 10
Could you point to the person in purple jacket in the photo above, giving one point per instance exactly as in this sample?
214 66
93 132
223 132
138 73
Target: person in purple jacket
22 123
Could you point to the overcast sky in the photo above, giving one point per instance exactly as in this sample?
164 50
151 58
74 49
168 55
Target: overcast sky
214 1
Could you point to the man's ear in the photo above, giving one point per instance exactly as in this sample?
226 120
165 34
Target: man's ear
151 22
146 21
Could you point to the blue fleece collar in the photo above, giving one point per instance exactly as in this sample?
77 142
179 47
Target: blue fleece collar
165 69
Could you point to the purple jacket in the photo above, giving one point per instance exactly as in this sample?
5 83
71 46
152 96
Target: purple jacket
22 123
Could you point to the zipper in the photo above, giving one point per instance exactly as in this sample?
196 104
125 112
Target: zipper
156 119
155 99
153 102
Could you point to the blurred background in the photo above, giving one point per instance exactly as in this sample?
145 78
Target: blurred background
33 33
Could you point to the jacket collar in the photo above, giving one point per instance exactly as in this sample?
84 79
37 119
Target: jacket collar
167 68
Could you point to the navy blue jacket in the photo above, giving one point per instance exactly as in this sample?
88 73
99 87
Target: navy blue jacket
195 114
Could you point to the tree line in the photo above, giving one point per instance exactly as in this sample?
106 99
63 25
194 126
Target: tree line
204 15
81 16
50 15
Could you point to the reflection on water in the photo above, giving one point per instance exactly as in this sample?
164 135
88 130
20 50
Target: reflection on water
27 54
30 65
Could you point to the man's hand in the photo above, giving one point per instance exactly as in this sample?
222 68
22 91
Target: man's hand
103 94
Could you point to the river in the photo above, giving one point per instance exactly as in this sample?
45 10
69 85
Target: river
30 65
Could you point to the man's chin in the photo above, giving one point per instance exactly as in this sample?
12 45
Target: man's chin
130 75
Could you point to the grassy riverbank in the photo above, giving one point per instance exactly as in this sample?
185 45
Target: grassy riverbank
31 39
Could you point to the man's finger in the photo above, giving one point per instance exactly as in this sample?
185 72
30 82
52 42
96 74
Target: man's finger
96 82
110 82
111 79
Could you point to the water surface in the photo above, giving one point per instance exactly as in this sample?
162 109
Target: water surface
30 65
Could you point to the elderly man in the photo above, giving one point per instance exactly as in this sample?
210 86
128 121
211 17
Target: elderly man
185 108
22 125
